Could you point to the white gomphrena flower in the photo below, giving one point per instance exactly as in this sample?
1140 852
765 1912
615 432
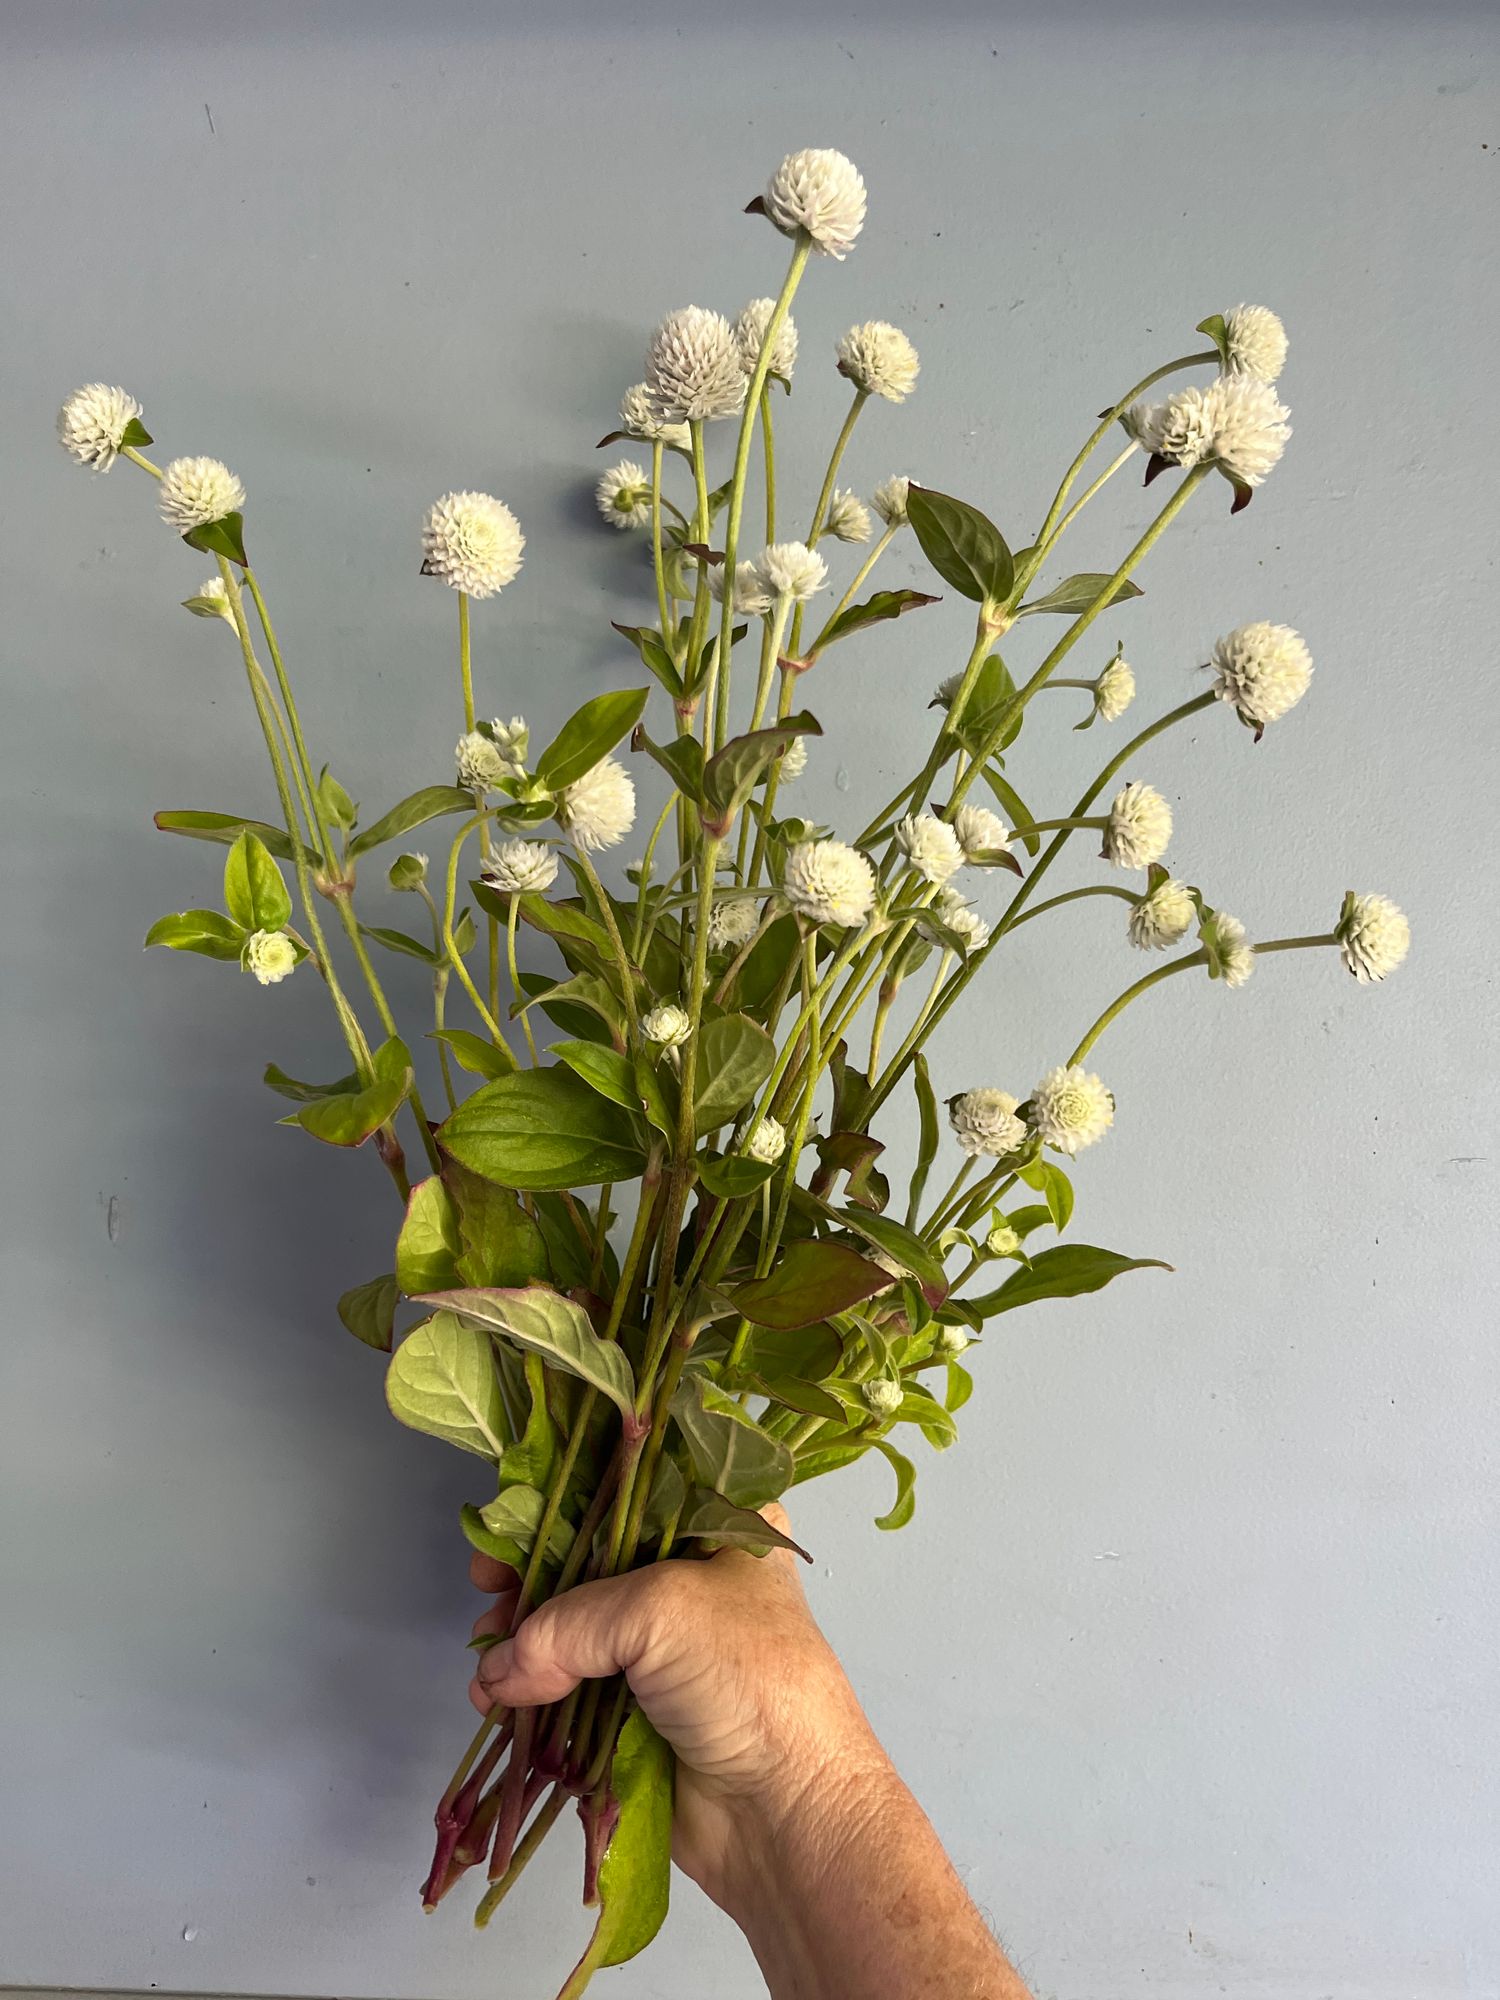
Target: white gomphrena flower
979 830
1071 1109
1237 423
878 358
1263 670
848 518
473 542
1373 936
791 570
270 955
1141 422
890 498
822 192
1114 690
946 692
931 846
520 868
750 331
211 600
1256 342
794 760
195 491
598 809
1162 917
985 1121
640 416
693 367
480 764
668 1025
1229 945
623 495
512 740
1002 1241
92 423
964 920
1140 825
750 593
767 1141
829 883
731 924
951 1340
881 1396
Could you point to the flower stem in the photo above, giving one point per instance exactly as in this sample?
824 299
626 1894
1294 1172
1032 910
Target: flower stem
665 616
455 956
1116 1007
515 976
768 443
1073 896
848 597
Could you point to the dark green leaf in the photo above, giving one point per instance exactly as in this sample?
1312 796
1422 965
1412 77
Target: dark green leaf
792 1393
432 802
965 548
654 655
874 611
532 1458
474 1053
1062 1272
428 1247
1018 813
569 1255
759 978
732 774
544 1128
810 1352
681 759
203 931
135 433
369 1311
992 698
734 1059
564 1000
602 1069
442 1380
587 737
507 1528
305 1093
729 1450
398 941
225 537
337 806
226 828
349 1118
731 1175
709 1517
1079 593
499 1242
254 893
904 1247
930 1131
811 1281
546 1323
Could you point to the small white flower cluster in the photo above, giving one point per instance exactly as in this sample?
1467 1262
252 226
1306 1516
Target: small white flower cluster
693 370
732 923
1071 1109
641 418
827 882
819 191
485 756
793 760
931 846
211 600
520 868
985 1121
1162 917
881 1396
890 499
848 518
667 1024
1237 423
92 423
1373 934
767 1141
1262 670
750 334
270 955
878 358
791 570
1003 1240
1231 957
598 809
473 542
1114 690
623 495
963 919
195 491
980 831
1256 342
751 596
1139 827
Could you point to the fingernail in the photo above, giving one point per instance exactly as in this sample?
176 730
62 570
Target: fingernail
494 1664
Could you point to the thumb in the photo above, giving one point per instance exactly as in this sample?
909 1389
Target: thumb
590 1631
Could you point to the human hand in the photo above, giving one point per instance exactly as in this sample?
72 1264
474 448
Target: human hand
726 1661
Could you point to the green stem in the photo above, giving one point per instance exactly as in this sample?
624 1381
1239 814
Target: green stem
526 1846
1297 943
768 443
667 633
949 1200
515 976
456 957
797 1137
638 932
1074 896
848 597
1079 504
1132 993
841 444
611 924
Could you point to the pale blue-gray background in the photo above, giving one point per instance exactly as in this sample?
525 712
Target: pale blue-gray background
1190 1650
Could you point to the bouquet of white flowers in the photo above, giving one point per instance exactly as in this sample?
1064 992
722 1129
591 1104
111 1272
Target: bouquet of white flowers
764 1312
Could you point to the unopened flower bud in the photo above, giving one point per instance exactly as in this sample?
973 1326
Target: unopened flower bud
881 1396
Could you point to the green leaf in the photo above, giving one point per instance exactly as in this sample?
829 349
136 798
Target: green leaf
811 1281
1218 333
544 1322
399 941
832 1457
338 808
135 433
224 537
666 1498
602 1069
226 828
635 1874
475 1054
709 1517
759 978
305 1093
428 1247
442 1380
203 931
254 893
920 1407
732 1175
732 774
965 548
1079 593
681 759
532 1458
929 1133
561 1000
874 611
960 1386
587 737
500 1243
810 1353
904 1246
992 696
348 1118
1016 811
792 1393
735 1056
654 655
544 1128
507 1528
432 802
905 1503
729 1450
1063 1272
369 1311
569 1256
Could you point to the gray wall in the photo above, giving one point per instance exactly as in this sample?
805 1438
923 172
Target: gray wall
1190 1649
